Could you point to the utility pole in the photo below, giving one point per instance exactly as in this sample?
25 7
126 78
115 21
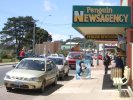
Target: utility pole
70 41
34 21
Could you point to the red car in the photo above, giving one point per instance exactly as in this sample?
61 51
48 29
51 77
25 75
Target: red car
72 57
100 57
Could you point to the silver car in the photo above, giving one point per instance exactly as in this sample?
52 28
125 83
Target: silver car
62 66
32 73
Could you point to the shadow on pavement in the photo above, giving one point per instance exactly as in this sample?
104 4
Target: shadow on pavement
108 83
66 78
124 94
49 90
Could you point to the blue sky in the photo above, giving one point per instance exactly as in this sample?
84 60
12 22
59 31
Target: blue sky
55 16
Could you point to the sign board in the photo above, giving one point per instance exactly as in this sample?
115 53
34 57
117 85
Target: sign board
99 16
107 37
83 69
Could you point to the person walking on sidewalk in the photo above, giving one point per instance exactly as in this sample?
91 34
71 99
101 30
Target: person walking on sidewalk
106 62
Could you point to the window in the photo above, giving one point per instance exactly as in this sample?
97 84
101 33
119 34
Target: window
31 65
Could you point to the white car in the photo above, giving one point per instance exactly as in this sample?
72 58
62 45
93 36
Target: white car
32 73
62 66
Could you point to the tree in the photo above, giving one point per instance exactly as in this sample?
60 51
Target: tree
42 36
19 33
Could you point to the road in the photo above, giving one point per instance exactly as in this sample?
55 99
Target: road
29 94
3 70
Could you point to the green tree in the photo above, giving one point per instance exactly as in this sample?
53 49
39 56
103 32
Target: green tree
42 35
18 33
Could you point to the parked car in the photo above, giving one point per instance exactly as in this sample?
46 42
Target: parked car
72 57
57 55
99 57
42 56
32 73
62 66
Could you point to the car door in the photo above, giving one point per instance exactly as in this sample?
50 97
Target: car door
54 71
49 72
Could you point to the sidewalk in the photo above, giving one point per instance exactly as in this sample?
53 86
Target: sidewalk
96 88
99 87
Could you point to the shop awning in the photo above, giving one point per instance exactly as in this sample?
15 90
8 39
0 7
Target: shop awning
101 22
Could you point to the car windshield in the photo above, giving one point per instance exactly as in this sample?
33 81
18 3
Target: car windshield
31 65
57 61
74 55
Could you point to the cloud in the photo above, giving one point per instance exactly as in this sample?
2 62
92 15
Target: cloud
48 5
63 37
104 3
56 37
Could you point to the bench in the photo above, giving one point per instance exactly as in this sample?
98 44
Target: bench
115 72
119 81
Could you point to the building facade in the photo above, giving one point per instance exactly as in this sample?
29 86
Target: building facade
47 48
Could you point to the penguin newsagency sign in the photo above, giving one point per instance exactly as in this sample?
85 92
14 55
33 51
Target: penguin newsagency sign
104 15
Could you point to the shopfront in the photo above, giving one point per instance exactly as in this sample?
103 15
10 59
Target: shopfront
105 23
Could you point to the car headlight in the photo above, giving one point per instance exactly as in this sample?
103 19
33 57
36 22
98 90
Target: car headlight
7 77
34 79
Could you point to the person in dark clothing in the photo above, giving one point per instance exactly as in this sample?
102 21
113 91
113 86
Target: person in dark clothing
106 62
119 63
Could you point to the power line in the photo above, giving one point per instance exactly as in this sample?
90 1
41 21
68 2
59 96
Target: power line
52 24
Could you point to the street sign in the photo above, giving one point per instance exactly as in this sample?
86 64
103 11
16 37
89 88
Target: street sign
107 37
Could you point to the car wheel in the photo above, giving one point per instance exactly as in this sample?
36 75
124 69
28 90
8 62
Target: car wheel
55 82
8 88
42 89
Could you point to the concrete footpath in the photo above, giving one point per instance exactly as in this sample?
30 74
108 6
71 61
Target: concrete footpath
99 87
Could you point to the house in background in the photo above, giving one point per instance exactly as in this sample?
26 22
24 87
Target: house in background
71 46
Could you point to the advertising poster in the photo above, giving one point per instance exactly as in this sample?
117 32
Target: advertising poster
83 69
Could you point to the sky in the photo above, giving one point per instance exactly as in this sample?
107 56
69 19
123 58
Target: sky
55 16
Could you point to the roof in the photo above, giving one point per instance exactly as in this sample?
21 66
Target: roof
66 47
71 43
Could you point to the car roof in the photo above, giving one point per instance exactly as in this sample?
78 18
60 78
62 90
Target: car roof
42 59
55 57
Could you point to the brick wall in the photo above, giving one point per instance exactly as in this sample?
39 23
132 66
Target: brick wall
47 47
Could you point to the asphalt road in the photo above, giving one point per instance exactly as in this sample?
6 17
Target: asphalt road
3 70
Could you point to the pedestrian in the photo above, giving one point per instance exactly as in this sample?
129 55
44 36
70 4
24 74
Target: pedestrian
106 62
119 63
21 54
